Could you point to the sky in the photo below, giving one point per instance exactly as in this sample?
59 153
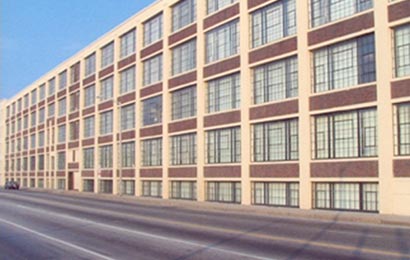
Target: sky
37 35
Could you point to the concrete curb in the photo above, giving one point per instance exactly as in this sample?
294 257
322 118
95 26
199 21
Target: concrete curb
265 211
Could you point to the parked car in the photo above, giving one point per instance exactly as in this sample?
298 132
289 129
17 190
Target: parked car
12 185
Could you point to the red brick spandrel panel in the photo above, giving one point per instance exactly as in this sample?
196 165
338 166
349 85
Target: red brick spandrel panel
151 131
182 125
151 49
87 173
346 27
276 109
344 98
399 10
88 111
105 72
61 120
61 147
151 173
106 173
222 171
126 173
73 166
74 87
74 115
150 90
182 34
127 135
106 105
254 3
88 142
105 139
221 16
401 168
222 118
273 50
127 61
283 170
127 98
60 174
89 80
182 172
62 93
400 88
222 66
348 169
41 104
182 80
73 144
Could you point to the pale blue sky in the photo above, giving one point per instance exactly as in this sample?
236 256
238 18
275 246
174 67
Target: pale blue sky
37 35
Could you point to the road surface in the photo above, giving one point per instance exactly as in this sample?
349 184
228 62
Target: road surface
39 225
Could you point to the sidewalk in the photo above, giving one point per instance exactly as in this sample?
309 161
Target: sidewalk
325 215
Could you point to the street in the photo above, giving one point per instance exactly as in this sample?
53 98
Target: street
40 225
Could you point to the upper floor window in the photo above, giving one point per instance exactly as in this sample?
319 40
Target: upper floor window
345 64
106 123
325 11
183 13
62 80
273 22
106 156
34 97
276 81
153 30
88 158
75 73
62 132
128 154
224 145
89 96
346 135
153 70
74 101
183 149
184 57
222 42
74 130
215 5
42 91
107 55
107 89
127 80
26 102
276 141
51 110
89 65
184 103
128 117
402 129
224 93
151 152
51 86
62 107
402 50
127 44
152 111
89 127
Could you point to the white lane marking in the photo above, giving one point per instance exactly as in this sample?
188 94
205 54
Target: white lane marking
140 233
353 233
56 240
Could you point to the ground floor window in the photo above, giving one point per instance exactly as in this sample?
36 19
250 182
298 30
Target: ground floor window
24 182
105 186
32 183
128 187
61 184
346 196
40 183
88 185
285 194
152 189
224 191
185 190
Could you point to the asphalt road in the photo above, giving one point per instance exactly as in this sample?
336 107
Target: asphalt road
36 225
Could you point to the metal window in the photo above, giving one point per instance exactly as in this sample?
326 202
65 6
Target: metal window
153 70
283 194
402 129
402 50
183 149
88 158
127 80
345 64
127 44
152 189
88 185
215 5
106 123
74 130
89 65
273 22
152 111
229 192
325 11
62 80
153 29
42 91
51 110
224 93
107 89
224 145
151 152
128 187
275 81
33 98
75 73
61 133
184 57
128 154
185 190
61 160
183 13
106 156
346 196
62 107
74 101
89 127
348 134
128 117
105 186
222 42
107 55
89 96
184 103
276 141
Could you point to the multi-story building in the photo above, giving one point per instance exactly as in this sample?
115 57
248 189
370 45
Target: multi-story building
297 103
2 139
